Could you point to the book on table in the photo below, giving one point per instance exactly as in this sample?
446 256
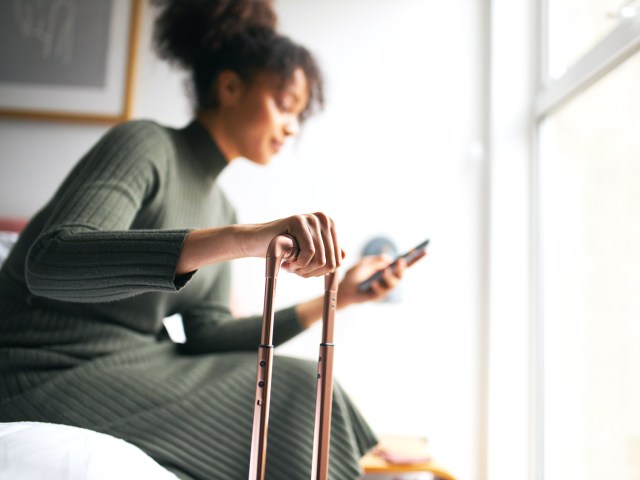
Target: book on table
402 457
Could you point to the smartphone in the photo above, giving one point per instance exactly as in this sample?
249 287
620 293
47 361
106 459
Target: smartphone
412 256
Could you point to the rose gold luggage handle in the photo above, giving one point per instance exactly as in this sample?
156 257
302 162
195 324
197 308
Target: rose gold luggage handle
324 389
282 248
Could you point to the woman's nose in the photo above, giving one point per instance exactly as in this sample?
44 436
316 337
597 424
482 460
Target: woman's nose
292 126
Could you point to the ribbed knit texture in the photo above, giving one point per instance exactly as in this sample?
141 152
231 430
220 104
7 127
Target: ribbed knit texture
82 298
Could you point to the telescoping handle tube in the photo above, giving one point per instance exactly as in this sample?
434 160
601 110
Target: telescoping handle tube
281 248
324 389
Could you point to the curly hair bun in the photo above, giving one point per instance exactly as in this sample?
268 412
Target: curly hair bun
187 30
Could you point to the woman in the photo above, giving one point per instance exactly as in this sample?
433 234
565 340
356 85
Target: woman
85 289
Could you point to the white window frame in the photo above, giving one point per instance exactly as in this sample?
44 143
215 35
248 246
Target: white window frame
606 55
520 98
510 116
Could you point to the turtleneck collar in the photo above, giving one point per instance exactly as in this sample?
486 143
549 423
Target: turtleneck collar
204 149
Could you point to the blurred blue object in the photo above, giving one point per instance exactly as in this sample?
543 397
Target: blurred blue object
378 246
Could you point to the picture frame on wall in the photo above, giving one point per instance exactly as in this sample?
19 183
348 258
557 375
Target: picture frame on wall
68 59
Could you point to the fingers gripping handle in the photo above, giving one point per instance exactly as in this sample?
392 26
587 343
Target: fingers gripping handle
282 247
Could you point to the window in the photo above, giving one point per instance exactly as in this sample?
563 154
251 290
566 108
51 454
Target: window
588 260
590 195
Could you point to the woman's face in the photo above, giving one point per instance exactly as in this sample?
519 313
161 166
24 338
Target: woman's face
267 114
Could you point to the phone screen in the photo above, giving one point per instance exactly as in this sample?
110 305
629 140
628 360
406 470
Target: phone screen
411 256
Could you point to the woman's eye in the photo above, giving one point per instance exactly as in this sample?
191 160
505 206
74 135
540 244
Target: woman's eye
285 104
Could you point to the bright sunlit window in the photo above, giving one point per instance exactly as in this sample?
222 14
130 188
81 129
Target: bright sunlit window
590 190
589 230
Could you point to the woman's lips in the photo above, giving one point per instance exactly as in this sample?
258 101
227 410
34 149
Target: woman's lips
276 145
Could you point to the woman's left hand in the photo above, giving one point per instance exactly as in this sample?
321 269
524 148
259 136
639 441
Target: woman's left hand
348 292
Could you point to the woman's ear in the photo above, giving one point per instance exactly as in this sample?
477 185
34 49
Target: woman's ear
229 87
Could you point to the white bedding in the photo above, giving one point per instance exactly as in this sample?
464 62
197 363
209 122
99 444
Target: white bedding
7 239
43 451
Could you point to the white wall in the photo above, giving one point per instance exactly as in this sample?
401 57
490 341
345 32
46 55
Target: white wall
395 153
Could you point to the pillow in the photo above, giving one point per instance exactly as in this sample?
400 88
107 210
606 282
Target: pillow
45 451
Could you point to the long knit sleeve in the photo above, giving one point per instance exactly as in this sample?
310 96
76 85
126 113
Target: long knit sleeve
214 330
87 252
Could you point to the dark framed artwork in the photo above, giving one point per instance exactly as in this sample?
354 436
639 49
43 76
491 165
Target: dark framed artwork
68 59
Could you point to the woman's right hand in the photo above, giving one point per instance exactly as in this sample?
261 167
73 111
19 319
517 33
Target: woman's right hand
319 248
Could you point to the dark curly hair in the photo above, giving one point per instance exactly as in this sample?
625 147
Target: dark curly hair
207 37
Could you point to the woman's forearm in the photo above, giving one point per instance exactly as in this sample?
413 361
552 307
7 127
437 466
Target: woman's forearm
318 248
207 246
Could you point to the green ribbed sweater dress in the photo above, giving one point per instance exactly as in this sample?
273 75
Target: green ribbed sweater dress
82 298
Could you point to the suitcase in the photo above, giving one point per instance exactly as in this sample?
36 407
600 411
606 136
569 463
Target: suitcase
282 248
